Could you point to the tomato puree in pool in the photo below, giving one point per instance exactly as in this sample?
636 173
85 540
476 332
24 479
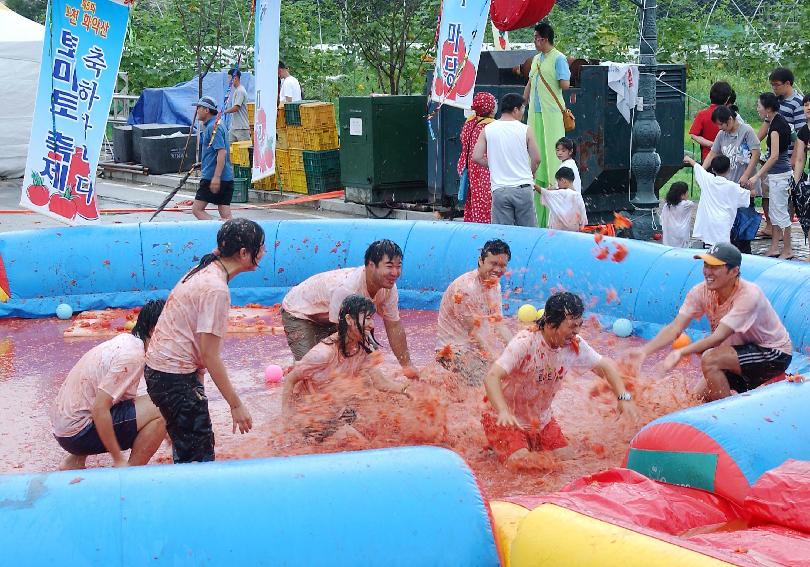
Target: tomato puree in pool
35 357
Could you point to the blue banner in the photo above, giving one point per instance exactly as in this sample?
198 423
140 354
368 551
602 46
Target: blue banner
265 55
461 33
81 53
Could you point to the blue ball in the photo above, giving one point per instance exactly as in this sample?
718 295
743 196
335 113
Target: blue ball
64 311
622 328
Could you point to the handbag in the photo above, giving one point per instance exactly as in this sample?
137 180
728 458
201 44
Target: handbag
569 122
800 194
746 224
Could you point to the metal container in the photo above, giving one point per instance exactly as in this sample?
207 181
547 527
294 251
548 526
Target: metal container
122 144
140 131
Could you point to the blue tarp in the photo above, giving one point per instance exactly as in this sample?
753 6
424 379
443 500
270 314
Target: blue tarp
173 105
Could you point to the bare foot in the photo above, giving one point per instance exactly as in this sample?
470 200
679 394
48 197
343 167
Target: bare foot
73 462
525 460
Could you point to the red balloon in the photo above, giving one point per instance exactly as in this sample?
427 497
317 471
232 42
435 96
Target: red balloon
508 15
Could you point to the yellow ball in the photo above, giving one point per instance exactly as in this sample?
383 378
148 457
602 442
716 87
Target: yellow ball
527 313
540 314
129 325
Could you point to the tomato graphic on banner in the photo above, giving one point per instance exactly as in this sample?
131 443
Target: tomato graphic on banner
461 34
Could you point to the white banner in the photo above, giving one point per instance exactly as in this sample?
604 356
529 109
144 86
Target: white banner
500 39
460 37
265 57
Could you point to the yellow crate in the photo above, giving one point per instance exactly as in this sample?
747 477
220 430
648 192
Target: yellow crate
240 154
323 139
282 140
297 160
280 121
283 159
318 115
267 184
295 138
251 108
298 182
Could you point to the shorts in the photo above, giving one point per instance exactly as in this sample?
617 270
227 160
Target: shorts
182 401
87 441
222 198
758 365
240 135
507 440
468 366
303 334
779 209
327 427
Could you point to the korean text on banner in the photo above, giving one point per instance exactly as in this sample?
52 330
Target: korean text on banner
266 64
461 34
80 57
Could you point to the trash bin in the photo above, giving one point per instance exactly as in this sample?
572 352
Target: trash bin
140 131
170 153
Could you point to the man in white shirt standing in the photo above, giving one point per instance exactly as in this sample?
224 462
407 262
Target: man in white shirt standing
290 90
240 127
509 150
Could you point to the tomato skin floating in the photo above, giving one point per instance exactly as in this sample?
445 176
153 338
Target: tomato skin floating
508 15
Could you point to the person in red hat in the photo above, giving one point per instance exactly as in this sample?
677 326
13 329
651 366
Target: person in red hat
478 205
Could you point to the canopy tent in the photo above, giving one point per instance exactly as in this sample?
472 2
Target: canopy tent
20 55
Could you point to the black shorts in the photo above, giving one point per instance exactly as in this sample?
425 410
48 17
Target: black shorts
222 198
87 441
758 365
182 401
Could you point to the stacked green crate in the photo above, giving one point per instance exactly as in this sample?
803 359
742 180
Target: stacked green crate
240 190
322 170
292 112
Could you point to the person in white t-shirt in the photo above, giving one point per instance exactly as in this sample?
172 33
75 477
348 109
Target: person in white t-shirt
509 150
565 205
676 216
719 200
290 89
566 152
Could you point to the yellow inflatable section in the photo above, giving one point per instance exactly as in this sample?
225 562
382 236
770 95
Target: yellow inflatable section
553 536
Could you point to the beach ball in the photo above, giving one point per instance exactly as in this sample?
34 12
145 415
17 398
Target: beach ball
682 341
622 328
129 325
527 313
273 374
64 311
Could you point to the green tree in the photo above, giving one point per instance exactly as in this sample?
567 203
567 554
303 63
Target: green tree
32 9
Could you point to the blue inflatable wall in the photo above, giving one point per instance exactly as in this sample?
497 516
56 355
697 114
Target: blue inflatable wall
406 506
122 265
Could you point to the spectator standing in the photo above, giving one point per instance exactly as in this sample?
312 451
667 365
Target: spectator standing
478 206
509 150
703 129
290 88
240 126
216 174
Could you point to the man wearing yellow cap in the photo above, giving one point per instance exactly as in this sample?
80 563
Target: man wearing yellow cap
748 345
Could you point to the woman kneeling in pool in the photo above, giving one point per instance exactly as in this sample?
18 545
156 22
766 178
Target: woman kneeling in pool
336 370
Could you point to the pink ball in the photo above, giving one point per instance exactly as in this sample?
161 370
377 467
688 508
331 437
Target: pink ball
273 374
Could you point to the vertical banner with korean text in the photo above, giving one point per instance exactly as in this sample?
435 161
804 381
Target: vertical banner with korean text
80 57
265 56
460 37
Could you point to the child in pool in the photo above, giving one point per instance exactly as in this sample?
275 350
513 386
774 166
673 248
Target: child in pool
330 367
188 338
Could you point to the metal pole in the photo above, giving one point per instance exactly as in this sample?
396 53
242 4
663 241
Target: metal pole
646 131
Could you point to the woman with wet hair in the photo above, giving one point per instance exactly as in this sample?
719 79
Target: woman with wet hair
188 338
350 353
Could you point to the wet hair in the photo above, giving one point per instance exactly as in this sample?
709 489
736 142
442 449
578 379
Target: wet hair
380 249
782 75
720 164
723 114
720 93
234 235
559 306
354 306
677 192
510 102
148 318
769 101
544 30
565 173
235 73
567 144
495 247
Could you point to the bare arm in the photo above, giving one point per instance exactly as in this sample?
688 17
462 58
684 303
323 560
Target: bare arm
290 381
720 334
102 419
708 161
232 109
215 180
800 152
385 384
772 159
606 369
479 153
704 142
492 384
634 358
534 151
752 167
210 347
399 345
565 84
527 91
763 131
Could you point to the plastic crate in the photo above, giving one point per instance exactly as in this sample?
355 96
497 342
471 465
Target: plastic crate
323 139
282 159
318 115
269 183
321 163
251 109
240 154
322 183
242 172
297 160
280 115
282 140
295 138
240 190
292 112
295 182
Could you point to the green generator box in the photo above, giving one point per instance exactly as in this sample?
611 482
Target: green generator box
383 149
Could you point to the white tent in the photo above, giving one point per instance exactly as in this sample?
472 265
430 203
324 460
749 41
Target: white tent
20 55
